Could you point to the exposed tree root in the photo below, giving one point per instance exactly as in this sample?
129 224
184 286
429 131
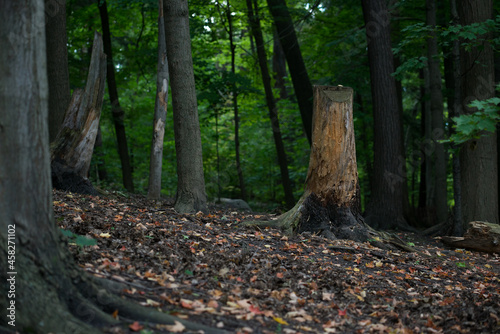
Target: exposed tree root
332 222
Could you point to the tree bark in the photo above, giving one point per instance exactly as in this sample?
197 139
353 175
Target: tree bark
117 111
300 79
254 20
232 46
160 115
330 205
454 103
71 150
478 157
57 64
481 236
436 106
191 196
52 294
279 67
386 208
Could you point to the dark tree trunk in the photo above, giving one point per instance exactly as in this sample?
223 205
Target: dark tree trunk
478 157
436 109
386 208
191 196
279 67
160 115
232 46
71 150
57 64
271 103
452 79
52 294
300 79
117 111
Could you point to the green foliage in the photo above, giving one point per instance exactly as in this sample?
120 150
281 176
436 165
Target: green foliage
480 123
77 239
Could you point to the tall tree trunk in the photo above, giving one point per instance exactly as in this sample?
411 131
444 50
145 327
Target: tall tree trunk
160 115
386 208
452 79
117 111
279 67
436 101
191 196
232 46
300 79
478 157
254 20
57 64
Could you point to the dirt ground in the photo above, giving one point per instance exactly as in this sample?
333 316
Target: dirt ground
213 270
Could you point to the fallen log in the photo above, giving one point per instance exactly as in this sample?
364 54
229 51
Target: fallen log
481 236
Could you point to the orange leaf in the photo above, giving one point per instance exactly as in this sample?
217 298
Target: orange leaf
115 314
135 327
186 303
255 309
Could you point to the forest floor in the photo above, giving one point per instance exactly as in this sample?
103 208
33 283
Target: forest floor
211 269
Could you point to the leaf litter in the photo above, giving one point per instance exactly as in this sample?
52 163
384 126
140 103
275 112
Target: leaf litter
211 269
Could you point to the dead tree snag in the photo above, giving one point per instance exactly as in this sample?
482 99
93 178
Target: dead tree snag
71 151
330 205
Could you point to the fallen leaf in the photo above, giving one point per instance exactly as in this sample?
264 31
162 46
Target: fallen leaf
280 321
176 328
135 327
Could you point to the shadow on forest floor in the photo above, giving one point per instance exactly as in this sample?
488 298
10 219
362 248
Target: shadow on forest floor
211 270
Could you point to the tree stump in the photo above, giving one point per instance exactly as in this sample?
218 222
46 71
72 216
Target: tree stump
71 151
481 236
330 205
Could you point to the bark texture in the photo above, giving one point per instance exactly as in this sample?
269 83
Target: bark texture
330 204
71 151
386 207
300 78
160 115
478 157
57 64
232 46
437 109
271 102
191 196
116 109
481 236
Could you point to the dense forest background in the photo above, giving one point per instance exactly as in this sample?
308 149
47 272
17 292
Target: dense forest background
333 42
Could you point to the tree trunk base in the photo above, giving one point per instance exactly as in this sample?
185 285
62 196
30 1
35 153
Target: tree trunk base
66 179
79 303
332 222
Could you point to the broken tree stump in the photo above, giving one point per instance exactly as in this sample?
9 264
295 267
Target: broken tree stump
481 236
330 205
71 151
